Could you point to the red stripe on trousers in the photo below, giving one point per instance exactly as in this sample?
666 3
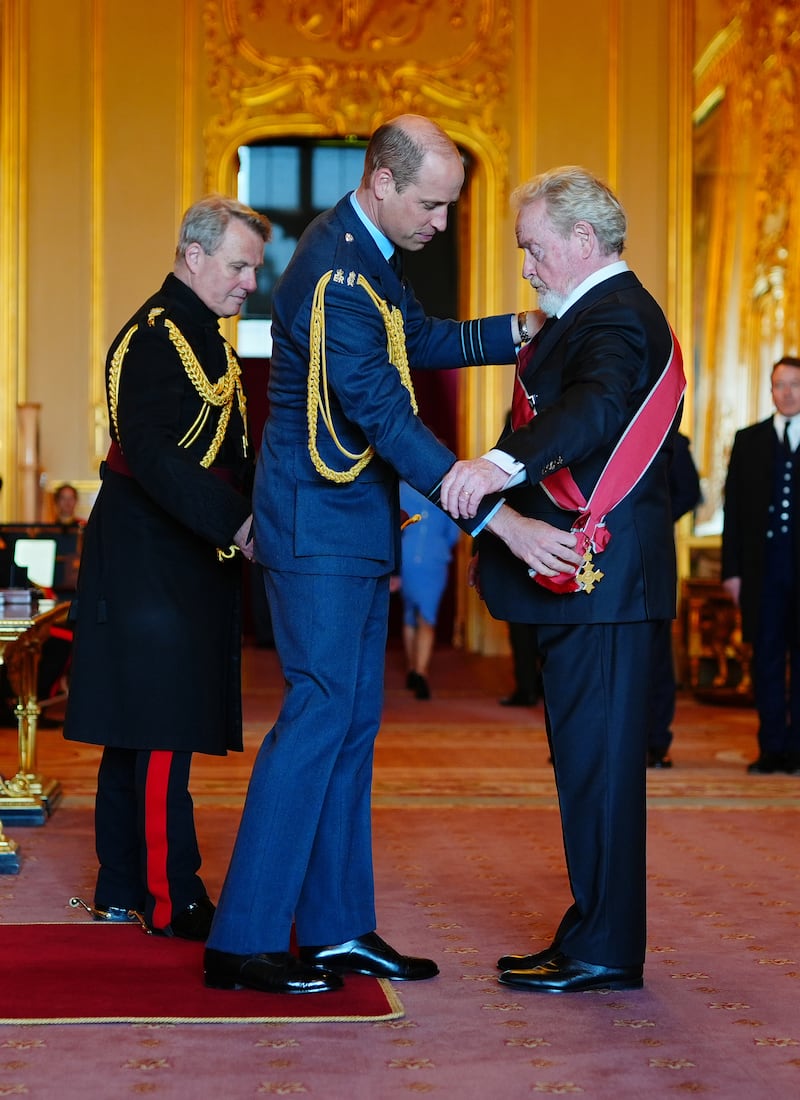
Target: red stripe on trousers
155 832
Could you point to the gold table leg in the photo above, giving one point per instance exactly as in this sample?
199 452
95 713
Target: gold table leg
37 795
28 798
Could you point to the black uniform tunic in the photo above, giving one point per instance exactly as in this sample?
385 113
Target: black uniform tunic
157 654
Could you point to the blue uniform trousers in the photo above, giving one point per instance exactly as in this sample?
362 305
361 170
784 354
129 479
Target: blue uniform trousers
303 853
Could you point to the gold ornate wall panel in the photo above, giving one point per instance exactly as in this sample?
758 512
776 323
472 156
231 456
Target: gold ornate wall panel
345 66
746 226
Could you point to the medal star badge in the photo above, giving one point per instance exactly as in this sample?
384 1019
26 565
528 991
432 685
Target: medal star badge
587 576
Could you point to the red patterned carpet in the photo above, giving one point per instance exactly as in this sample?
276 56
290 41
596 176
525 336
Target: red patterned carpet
469 865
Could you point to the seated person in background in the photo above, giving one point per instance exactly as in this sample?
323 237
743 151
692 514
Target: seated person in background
65 501
426 550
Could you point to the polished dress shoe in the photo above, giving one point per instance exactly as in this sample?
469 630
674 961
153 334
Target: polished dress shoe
370 955
192 923
767 764
526 962
270 972
791 764
561 974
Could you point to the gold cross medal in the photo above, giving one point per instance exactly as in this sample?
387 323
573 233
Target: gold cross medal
587 576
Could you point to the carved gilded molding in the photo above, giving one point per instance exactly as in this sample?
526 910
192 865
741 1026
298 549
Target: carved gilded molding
341 67
747 225
755 62
357 24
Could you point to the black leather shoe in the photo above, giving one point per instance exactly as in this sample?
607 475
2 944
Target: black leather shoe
791 764
370 955
271 972
192 923
767 764
561 974
658 760
526 962
422 689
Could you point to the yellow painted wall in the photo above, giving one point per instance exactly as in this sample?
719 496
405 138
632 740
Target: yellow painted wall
58 180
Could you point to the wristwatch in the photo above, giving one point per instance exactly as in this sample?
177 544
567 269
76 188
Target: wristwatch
522 325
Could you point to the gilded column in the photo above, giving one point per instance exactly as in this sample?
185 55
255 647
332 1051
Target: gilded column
13 191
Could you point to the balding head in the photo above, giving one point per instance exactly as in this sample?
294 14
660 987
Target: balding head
402 144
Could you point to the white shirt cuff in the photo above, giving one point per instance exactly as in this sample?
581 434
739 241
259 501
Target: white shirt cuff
515 470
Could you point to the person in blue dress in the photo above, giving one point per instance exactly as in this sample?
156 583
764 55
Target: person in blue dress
426 549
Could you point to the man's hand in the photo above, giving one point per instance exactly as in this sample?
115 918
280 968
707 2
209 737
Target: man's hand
466 484
544 549
244 538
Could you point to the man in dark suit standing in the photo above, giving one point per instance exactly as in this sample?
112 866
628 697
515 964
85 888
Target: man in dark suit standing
760 563
342 427
597 399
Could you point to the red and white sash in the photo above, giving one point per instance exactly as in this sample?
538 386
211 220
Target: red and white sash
629 461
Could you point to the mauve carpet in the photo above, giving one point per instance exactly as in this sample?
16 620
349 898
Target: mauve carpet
469 865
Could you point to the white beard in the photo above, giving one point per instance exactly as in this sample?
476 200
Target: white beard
550 301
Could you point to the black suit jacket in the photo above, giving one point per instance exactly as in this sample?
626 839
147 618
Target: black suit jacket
748 493
590 373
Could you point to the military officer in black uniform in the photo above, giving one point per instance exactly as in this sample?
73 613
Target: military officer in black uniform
156 666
